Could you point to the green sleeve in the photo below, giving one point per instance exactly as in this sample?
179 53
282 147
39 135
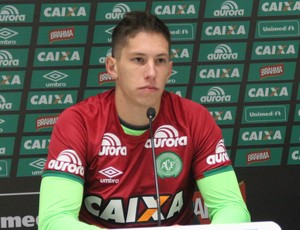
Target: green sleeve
60 202
223 198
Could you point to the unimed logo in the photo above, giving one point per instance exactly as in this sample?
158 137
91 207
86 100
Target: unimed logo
175 10
13 222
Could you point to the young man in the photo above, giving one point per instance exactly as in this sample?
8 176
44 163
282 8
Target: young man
100 171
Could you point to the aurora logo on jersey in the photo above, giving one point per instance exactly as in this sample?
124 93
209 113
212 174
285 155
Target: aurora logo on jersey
141 209
167 136
111 146
67 161
220 154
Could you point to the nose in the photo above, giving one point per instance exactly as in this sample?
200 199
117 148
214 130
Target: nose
150 71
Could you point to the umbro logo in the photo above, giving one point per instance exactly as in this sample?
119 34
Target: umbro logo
110 172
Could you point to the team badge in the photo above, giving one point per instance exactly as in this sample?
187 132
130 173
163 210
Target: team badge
168 164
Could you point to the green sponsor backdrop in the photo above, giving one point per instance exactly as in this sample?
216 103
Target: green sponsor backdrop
240 59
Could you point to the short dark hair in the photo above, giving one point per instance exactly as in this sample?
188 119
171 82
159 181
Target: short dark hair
135 22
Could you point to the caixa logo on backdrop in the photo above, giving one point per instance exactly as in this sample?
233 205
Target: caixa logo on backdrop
268 92
65 12
11 80
275 50
51 99
225 30
278 8
176 10
261 135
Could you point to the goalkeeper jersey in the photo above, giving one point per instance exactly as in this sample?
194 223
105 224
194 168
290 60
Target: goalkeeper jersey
89 145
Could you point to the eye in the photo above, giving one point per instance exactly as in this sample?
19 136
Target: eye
161 61
138 60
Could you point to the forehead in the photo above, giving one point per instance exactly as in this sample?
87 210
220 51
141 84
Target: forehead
147 41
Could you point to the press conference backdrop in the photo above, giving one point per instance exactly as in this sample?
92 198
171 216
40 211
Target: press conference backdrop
239 58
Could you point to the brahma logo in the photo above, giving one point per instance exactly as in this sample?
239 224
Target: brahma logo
7 60
118 11
45 122
167 136
11 14
222 52
62 34
67 161
104 77
220 154
111 146
229 8
215 94
259 156
271 71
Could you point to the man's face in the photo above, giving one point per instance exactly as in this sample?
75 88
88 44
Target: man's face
142 68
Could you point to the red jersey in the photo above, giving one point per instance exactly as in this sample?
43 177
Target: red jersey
89 145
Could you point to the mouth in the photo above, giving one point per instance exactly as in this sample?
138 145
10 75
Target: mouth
148 88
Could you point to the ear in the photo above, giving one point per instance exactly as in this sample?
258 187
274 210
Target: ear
170 70
110 65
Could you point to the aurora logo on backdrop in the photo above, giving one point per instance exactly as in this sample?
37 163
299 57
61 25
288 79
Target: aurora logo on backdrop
7 59
228 8
216 94
222 52
115 11
6 145
10 13
9 101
